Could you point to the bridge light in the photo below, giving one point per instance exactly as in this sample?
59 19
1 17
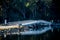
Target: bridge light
21 26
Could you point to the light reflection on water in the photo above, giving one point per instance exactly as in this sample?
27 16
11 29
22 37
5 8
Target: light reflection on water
45 36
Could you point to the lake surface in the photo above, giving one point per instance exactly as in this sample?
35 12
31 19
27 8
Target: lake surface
45 36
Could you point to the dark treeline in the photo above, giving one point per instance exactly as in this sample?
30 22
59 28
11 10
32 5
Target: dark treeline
15 10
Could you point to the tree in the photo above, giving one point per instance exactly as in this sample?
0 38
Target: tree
15 10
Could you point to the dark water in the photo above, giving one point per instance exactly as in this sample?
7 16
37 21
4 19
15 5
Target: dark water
46 36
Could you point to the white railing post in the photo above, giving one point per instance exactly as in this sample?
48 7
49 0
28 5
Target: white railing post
5 21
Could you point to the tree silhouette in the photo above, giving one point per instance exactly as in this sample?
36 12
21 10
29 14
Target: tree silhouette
15 10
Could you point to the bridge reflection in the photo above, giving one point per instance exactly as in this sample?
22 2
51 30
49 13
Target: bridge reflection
45 36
